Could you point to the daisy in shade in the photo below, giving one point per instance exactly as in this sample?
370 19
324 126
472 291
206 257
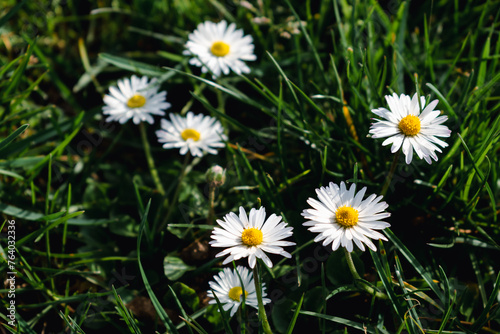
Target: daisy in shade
198 134
220 48
406 127
228 289
342 217
251 237
135 99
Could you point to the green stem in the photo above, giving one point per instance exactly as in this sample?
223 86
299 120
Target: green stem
151 162
391 174
262 311
358 279
211 200
176 194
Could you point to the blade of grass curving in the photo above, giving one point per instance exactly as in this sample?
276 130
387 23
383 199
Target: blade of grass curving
225 322
346 322
132 65
159 309
443 99
288 82
179 305
4 143
295 316
238 96
414 262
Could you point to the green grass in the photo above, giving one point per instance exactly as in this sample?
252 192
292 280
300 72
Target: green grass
89 257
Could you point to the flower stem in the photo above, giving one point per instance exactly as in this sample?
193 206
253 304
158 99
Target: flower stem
262 311
358 279
176 194
211 200
151 162
391 174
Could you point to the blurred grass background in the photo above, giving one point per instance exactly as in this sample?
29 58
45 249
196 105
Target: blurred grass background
78 187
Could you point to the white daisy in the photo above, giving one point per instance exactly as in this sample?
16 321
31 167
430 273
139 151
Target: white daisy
228 289
199 134
134 98
219 48
251 237
341 216
408 128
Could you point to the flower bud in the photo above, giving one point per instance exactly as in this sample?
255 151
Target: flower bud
216 176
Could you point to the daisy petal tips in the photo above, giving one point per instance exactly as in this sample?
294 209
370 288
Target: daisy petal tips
343 218
197 134
227 287
219 48
134 99
409 129
249 236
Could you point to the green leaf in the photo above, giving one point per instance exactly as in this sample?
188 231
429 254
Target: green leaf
314 298
337 270
174 267
187 296
282 314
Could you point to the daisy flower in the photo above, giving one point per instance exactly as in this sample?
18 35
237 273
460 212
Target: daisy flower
406 127
134 99
198 134
342 217
251 237
219 48
228 289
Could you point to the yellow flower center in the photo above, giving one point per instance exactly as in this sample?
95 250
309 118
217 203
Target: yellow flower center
251 237
346 216
236 292
410 125
136 101
190 134
219 49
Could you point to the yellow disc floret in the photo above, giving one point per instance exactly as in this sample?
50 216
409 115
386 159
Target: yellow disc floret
190 134
136 101
410 125
346 216
236 292
219 49
251 236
